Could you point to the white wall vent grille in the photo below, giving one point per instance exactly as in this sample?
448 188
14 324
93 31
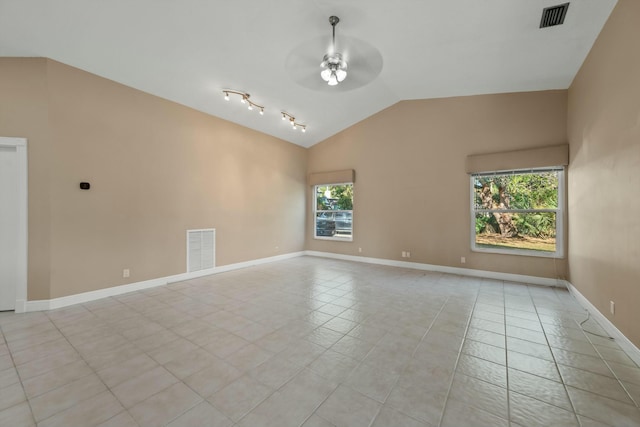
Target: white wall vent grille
201 249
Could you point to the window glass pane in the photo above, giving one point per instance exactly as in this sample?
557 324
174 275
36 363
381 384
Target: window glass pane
334 211
325 225
334 224
334 197
516 191
529 231
344 223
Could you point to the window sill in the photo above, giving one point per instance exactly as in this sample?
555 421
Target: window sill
518 252
335 238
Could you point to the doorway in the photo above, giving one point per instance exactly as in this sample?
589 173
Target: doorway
13 224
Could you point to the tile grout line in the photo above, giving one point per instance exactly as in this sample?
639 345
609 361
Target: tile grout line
294 376
361 362
506 358
93 372
160 364
560 376
455 366
27 400
202 399
555 362
411 357
606 362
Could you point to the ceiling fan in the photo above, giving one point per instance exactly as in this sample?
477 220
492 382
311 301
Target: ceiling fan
363 61
334 68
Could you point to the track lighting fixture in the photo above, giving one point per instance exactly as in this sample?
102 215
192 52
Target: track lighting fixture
244 99
292 121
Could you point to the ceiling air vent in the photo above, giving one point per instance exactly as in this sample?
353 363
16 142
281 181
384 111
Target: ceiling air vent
553 15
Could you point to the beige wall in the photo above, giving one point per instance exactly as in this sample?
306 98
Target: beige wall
411 191
604 179
156 169
24 114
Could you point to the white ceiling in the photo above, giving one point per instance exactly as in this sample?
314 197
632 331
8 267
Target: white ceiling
189 50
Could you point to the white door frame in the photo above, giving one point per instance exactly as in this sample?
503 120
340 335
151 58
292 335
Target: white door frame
20 144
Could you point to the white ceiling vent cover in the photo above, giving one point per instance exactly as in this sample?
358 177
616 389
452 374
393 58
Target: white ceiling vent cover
201 249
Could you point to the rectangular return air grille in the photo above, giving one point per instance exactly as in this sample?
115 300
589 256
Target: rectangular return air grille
201 249
553 15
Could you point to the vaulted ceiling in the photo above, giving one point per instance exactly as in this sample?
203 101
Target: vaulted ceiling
188 51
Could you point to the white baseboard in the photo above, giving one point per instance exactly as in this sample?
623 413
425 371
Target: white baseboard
535 280
52 304
21 306
632 351
40 305
236 266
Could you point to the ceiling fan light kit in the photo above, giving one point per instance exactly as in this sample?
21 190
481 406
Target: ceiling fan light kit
334 68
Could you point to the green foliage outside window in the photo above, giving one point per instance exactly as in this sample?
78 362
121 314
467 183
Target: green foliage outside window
529 191
334 197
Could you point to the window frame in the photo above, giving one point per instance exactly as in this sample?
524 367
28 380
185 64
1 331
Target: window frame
559 211
335 237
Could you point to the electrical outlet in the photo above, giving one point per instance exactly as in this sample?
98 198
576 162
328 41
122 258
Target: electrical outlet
126 272
463 260
612 307
404 254
408 254
359 250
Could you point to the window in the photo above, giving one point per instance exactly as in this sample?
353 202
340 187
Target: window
518 212
333 212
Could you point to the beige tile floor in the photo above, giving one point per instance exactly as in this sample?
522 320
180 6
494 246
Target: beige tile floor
317 342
